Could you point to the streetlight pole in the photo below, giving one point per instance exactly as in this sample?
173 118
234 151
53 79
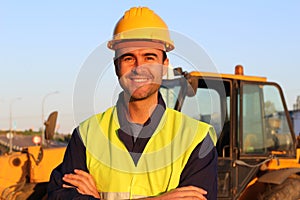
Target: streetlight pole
43 119
10 123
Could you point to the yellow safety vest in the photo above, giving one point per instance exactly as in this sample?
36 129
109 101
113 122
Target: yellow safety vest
159 167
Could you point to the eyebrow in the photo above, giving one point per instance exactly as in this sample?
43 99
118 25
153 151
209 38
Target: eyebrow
150 54
126 54
145 54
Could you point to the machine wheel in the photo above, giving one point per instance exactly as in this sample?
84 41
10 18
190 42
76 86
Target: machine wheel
288 190
32 191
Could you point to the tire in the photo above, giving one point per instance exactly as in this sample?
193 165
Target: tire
33 191
288 190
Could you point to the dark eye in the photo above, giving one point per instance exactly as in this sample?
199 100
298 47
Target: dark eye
128 59
149 58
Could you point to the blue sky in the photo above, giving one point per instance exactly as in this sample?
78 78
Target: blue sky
44 46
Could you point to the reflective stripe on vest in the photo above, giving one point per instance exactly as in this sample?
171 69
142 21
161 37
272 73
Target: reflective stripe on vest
159 167
119 195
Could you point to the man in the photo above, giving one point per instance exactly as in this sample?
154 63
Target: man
139 149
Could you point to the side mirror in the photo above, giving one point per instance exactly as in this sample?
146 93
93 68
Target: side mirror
50 125
192 85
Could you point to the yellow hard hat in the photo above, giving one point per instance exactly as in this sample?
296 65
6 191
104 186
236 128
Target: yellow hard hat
141 24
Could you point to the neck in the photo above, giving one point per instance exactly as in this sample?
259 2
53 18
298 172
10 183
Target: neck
139 111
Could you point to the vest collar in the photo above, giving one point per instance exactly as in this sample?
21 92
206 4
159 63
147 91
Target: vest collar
152 122
124 132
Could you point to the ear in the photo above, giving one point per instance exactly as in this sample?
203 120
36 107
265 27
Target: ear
165 66
117 66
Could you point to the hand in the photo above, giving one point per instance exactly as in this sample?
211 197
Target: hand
83 182
188 192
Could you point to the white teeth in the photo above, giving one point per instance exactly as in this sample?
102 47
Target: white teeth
140 80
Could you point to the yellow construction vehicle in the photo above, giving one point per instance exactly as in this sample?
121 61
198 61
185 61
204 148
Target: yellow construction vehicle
24 173
258 156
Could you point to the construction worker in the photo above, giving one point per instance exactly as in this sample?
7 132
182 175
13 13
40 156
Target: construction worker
139 148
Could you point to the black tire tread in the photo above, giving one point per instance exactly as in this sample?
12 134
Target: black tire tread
288 190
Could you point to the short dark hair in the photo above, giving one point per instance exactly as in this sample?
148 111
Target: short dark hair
164 55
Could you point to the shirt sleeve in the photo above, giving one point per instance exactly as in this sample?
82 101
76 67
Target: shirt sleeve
201 169
74 158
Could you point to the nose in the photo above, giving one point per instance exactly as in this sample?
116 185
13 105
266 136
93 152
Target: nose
139 61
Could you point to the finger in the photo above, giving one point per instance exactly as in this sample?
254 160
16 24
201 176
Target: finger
77 183
87 177
193 188
189 195
83 183
189 192
76 180
184 196
68 186
72 179
93 192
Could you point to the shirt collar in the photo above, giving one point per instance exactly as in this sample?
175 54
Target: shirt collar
152 121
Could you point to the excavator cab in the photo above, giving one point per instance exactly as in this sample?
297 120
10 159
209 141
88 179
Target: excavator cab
252 122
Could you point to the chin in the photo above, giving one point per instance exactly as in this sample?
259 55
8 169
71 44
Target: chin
143 92
136 96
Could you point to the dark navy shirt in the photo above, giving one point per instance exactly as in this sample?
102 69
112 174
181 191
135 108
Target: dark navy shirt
200 170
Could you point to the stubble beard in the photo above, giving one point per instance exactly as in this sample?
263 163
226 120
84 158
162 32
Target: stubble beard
142 92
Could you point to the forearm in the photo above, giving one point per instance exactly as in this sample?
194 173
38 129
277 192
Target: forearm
201 170
74 158
189 192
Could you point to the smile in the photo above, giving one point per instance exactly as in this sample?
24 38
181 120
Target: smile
140 80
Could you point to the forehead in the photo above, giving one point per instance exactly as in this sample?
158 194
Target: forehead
137 45
137 51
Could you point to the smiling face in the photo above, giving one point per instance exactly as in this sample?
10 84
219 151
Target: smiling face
140 72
